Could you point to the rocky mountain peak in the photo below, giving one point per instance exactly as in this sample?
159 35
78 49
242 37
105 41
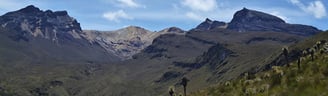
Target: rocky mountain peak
247 15
208 20
132 31
45 24
208 24
29 9
250 20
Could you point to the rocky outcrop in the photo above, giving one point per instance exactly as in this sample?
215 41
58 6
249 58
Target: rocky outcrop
33 22
214 56
251 20
209 24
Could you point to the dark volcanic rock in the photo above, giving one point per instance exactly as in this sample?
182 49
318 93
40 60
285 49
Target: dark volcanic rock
209 24
30 10
246 16
34 22
50 36
251 20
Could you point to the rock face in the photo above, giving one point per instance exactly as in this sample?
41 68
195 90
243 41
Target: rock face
50 36
32 21
209 24
127 41
250 20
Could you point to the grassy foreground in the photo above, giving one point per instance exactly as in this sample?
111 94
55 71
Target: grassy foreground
311 79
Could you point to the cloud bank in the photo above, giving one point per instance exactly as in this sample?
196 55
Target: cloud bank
116 16
200 5
130 3
316 8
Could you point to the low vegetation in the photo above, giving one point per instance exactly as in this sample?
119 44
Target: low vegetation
306 76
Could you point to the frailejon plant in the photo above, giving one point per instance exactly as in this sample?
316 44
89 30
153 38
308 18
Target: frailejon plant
184 83
318 44
299 55
285 53
312 54
171 91
325 47
299 63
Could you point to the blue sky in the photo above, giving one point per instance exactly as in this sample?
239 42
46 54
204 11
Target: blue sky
156 15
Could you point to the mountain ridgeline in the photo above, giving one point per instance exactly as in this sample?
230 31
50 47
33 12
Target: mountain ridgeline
209 24
48 53
250 20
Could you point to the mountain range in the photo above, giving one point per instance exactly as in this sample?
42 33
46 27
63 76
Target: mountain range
128 41
47 53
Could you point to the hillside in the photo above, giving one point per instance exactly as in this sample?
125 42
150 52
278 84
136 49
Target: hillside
310 78
164 65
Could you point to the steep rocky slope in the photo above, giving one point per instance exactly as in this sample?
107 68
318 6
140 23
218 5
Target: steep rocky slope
251 20
33 22
209 24
46 36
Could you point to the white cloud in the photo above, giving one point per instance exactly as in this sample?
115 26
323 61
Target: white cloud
316 8
116 16
130 3
295 1
200 5
194 16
